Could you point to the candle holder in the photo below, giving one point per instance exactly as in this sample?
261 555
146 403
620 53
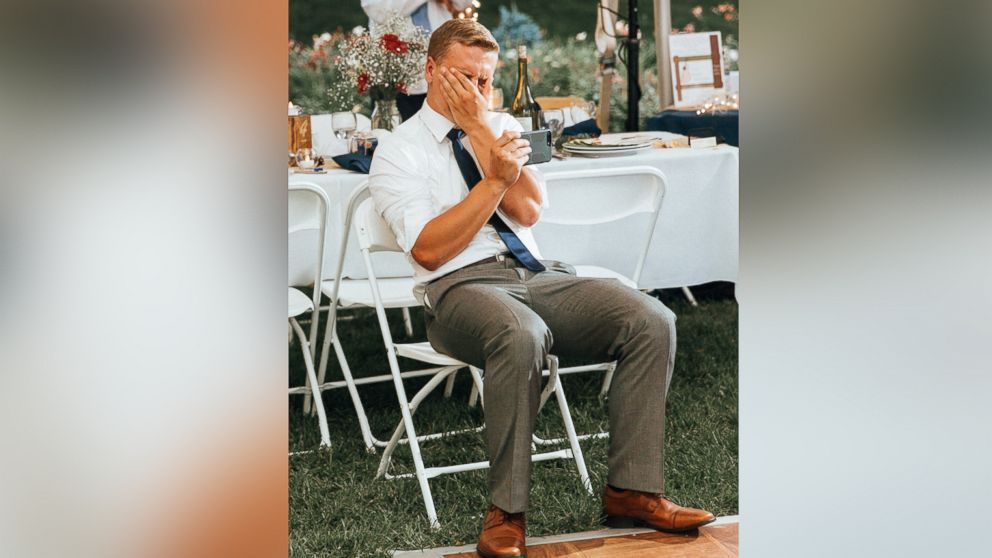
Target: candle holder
306 158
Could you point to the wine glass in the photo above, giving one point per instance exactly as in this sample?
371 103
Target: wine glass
344 124
555 121
495 99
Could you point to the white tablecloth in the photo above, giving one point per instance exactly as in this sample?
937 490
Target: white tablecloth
695 241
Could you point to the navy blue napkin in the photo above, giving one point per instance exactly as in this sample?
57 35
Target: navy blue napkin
354 162
585 127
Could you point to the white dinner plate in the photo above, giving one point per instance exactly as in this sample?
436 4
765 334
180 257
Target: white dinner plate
583 145
605 152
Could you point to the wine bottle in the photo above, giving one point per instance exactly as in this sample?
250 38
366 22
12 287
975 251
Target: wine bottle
524 108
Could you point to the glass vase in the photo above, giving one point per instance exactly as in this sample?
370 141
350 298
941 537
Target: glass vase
385 115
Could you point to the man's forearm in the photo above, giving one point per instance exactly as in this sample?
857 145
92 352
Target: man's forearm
522 202
445 236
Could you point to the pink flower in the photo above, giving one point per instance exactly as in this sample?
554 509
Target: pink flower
697 11
728 16
689 28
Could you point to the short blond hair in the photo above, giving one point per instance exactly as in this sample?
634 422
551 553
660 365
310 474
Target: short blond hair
463 31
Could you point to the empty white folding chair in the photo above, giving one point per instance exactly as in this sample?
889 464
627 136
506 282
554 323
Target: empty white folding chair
374 236
345 293
308 206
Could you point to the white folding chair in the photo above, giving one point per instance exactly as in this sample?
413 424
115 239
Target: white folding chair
308 206
375 236
346 293
584 203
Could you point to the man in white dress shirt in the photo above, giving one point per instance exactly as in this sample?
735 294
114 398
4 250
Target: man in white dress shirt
451 184
426 14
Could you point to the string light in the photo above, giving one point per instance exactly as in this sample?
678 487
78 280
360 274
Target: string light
720 103
471 12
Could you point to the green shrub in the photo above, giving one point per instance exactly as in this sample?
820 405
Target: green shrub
516 28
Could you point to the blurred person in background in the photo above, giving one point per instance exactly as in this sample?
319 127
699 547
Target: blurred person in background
426 14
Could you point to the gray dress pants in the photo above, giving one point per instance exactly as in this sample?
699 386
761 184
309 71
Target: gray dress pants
505 319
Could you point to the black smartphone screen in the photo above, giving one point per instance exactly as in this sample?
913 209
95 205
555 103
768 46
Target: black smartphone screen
540 145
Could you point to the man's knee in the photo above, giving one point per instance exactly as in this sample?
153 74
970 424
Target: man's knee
654 319
525 340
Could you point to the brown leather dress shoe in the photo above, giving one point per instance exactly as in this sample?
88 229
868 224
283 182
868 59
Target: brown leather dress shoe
631 508
502 534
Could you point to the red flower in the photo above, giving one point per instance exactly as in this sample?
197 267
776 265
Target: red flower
316 55
363 83
401 87
392 43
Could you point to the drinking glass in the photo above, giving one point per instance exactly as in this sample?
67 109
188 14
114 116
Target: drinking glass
495 98
363 143
344 124
555 120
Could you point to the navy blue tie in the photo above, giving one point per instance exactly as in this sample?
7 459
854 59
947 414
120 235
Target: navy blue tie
472 176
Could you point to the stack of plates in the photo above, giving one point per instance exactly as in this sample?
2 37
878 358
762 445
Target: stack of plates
606 146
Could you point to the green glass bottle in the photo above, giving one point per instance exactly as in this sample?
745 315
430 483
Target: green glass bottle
524 108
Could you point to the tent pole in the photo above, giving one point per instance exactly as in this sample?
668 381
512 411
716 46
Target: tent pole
662 28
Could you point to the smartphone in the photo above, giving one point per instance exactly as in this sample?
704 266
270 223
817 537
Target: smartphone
540 145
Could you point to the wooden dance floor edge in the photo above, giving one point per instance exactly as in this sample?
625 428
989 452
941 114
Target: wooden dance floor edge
532 542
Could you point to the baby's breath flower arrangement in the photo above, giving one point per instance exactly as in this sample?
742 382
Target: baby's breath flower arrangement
384 64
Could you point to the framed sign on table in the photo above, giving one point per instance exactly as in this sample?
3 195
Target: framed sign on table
696 66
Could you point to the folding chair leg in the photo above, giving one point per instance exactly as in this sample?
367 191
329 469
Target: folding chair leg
449 387
607 380
331 339
325 437
688 295
320 378
307 398
407 322
307 410
476 388
573 441
418 460
418 397
330 333
363 421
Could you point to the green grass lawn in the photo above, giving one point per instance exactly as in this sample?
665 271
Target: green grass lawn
338 508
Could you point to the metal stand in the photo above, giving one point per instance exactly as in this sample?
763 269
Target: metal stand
633 68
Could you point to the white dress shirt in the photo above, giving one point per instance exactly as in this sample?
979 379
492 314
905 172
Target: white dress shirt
380 10
414 178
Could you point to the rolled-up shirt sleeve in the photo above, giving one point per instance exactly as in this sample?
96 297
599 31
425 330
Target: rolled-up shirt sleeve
401 193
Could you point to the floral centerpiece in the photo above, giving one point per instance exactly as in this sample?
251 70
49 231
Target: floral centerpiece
385 64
